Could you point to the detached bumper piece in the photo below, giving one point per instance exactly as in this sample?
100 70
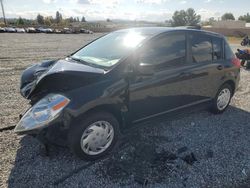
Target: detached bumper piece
52 135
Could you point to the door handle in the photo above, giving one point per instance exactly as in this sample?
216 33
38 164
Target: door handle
220 67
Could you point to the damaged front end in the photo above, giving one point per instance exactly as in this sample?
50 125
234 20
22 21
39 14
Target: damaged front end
30 76
56 77
46 108
46 85
42 118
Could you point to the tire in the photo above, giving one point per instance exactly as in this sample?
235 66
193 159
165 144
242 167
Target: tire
90 137
218 108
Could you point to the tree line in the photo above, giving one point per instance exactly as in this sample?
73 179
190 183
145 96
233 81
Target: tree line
180 18
49 20
190 18
57 20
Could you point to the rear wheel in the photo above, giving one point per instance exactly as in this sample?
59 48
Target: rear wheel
94 136
222 99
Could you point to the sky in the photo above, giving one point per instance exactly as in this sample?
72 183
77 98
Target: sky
149 10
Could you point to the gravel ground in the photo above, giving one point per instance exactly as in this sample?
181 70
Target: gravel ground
194 150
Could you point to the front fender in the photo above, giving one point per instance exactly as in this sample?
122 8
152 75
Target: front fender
105 93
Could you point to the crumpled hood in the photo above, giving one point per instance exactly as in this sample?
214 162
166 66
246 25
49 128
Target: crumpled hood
65 65
57 75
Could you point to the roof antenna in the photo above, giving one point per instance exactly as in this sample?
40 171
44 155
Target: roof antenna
3 13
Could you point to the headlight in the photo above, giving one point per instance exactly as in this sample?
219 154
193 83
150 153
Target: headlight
42 113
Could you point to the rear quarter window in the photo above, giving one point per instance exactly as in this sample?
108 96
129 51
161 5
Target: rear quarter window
228 51
217 48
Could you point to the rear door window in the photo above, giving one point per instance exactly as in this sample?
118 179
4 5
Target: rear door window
201 47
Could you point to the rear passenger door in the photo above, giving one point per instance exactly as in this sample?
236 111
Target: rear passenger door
206 64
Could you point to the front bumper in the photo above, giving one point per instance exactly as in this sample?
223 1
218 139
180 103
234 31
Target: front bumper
55 132
52 135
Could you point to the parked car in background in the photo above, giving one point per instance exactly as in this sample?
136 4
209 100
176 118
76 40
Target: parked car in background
67 30
20 30
10 29
40 30
49 30
31 30
91 97
44 30
57 31
86 31
2 30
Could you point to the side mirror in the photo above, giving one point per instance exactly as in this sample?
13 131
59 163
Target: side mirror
145 69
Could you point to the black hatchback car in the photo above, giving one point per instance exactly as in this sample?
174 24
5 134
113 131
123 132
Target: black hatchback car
89 98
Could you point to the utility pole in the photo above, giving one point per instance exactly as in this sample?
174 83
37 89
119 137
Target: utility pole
3 12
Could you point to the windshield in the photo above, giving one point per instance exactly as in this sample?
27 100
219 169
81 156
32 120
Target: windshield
108 50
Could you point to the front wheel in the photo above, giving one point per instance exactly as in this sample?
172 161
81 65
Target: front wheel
222 99
94 136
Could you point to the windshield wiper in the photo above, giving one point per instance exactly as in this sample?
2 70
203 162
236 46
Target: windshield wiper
87 63
79 60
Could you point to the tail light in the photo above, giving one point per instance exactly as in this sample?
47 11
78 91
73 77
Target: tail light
236 62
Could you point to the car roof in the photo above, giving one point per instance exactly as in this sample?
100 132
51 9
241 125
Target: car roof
153 31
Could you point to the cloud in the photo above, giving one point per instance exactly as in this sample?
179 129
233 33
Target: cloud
83 2
209 1
95 2
101 2
49 1
206 14
151 1
183 2
28 14
156 16
112 13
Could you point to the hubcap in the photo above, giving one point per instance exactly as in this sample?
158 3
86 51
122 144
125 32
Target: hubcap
223 99
97 137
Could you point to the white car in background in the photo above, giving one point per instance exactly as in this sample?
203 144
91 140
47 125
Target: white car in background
30 30
10 29
2 30
49 30
20 30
